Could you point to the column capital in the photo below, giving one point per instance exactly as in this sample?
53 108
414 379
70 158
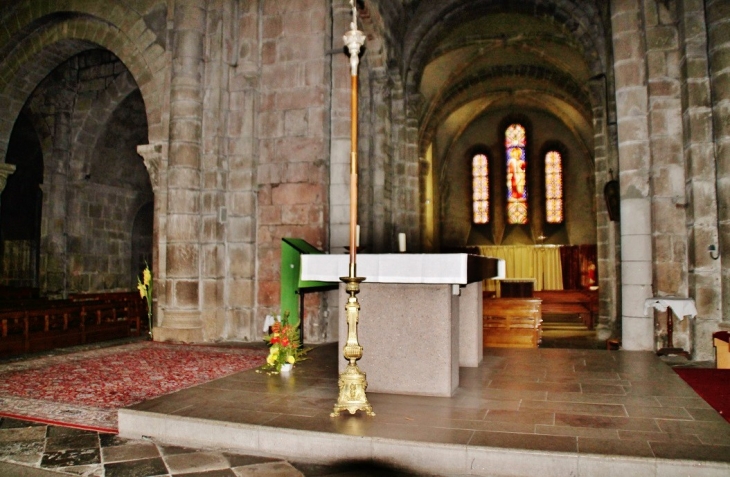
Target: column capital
154 156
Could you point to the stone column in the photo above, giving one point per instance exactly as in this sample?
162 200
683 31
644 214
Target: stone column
155 160
699 160
607 231
181 317
408 214
374 155
634 162
339 146
718 29
5 171
668 190
54 237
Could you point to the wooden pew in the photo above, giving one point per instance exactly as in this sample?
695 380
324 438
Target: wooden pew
512 322
61 323
570 302
107 321
34 330
128 305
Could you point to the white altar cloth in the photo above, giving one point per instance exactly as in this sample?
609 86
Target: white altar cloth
680 306
445 268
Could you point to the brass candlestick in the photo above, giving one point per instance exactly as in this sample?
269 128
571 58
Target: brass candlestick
352 381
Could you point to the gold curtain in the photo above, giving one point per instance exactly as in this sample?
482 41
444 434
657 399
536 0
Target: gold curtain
541 263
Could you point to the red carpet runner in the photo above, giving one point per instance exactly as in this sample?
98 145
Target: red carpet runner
85 389
713 385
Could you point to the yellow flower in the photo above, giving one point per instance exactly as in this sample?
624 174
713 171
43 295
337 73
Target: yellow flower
142 290
290 359
147 276
272 357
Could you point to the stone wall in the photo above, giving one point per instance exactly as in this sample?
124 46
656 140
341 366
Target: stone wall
718 44
241 114
292 140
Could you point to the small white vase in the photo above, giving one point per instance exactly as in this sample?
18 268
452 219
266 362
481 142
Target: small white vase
285 368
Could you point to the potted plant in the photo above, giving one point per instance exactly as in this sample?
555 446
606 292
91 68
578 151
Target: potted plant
144 285
284 347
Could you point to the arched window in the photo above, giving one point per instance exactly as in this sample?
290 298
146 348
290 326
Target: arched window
515 144
554 187
480 188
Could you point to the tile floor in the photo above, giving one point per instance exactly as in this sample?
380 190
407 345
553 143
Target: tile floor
31 449
576 401
620 404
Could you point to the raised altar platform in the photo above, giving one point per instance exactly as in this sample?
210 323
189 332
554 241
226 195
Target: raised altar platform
521 412
420 316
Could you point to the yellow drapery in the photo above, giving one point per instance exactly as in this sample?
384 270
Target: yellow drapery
538 262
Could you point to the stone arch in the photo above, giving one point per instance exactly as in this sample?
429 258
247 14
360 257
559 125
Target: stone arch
95 119
480 86
568 97
40 40
45 135
433 17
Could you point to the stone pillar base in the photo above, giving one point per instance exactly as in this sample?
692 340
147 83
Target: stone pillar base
182 326
638 333
178 335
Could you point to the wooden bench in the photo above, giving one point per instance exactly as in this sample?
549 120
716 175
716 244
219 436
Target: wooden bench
127 305
583 303
512 322
62 323
721 341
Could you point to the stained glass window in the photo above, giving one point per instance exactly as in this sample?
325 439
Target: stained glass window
480 188
515 143
554 187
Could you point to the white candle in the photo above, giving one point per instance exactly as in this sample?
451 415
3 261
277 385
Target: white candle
357 235
401 242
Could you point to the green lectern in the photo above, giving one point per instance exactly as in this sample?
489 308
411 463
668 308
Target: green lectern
293 287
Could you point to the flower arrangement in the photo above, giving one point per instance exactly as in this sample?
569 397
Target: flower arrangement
144 285
284 346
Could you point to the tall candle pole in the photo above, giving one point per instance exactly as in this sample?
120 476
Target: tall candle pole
352 381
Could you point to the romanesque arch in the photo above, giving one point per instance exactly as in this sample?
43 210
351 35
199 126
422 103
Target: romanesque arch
37 39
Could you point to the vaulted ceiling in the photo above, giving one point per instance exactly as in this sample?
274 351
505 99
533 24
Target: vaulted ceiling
466 56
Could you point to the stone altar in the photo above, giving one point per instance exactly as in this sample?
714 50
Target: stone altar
420 316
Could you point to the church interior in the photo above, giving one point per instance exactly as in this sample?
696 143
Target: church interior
582 145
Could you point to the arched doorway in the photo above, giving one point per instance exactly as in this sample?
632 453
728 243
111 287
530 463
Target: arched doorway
20 208
89 117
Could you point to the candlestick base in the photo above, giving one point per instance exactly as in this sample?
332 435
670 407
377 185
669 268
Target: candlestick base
352 381
352 396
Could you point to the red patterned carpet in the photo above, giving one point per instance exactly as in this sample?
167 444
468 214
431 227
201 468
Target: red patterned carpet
86 389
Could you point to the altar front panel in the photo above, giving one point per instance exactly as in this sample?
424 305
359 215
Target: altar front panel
410 337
